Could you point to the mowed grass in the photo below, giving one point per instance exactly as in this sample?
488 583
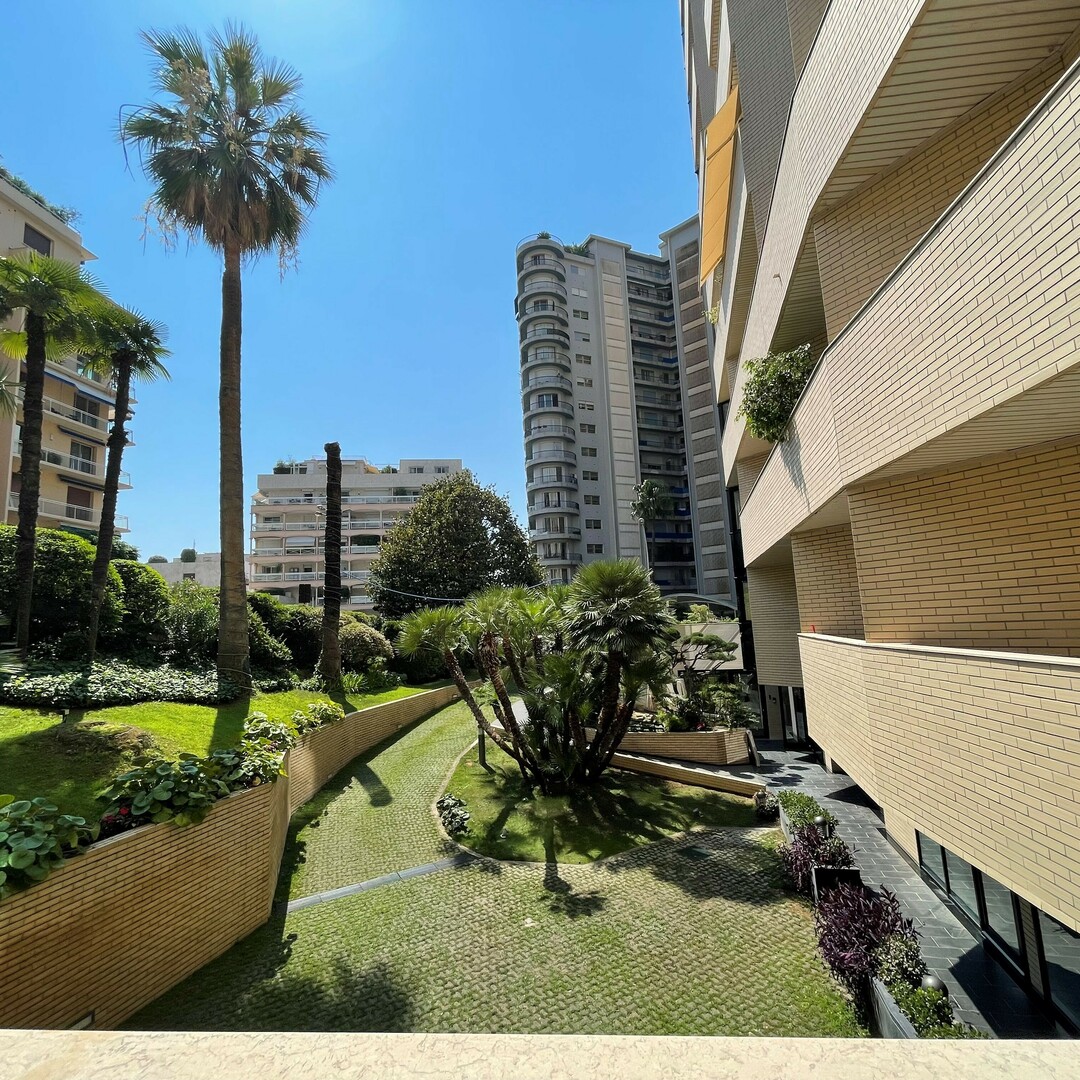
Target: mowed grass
42 755
622 811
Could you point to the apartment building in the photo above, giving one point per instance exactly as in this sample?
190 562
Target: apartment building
896 184
204 569
616 388
288 523
78 408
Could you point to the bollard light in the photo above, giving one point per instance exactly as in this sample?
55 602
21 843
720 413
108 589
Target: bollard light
823 826
932 982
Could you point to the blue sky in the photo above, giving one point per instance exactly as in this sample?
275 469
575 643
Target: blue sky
455 129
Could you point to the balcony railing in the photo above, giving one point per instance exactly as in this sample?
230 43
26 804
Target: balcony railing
544 534
557 406
647 274
544 287
551 431
554 508
648 335
567 480
546 356
540 307
68 412
551 455
80 515
542 381
347 500
547 333
671 425
566 556
96 469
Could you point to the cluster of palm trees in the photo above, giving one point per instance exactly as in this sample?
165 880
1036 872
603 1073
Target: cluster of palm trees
232 162
579 656
66 313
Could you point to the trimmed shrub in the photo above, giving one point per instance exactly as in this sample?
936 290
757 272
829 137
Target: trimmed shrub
146 606
74 686
34 839
801 810
853 922
63 576
361 646
899 960
809 848
303 635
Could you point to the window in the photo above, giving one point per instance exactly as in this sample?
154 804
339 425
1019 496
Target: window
580 313
589 474
588 451
592 523
1001 918
82 457
578 292
586 406
442 468
89 411
962 885
579 336
546 401
583 381
80 504
575 270
36 241
587 429
189 577
416 470
592 500
594 549
1061 952
581 358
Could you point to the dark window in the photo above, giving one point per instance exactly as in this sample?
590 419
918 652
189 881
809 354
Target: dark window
932 859
1061 949
962 885
1001 913
38 241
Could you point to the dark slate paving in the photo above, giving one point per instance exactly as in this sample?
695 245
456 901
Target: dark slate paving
982 993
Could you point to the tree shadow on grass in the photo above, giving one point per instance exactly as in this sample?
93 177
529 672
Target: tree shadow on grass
561 898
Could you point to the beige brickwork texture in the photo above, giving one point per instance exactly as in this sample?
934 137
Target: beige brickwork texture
981 752
827 581
983 557
774 611
114 928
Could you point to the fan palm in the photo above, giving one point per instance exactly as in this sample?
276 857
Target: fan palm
234 162
123 346
653 502
53 296
330 657
9 401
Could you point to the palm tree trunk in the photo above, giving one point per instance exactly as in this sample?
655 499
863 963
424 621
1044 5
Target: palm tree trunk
107 529
607 720
233 662
330 660
29 479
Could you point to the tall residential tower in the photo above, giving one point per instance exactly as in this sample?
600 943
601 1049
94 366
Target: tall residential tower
616 388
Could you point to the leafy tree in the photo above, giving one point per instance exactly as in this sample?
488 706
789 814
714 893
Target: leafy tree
122 346
579 656
234 162
331 658
188 555
653 503
459 538
121 549
53 296
773 386
361 646
61 601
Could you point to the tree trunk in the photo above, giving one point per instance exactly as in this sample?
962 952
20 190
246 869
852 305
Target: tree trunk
107 529
330 660
234 662
29 479
607 720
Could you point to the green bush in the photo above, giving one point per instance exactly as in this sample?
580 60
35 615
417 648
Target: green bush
926 1009
274 614
63 575
899 960
267 652
727 706
191 623
146 605
698 613
361 646
800 810
316 715
74 686
773 386
278 734
303 635
35 838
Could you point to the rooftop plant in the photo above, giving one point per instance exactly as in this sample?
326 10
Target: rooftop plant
66 214
774 383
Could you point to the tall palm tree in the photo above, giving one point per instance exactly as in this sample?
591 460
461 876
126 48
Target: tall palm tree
121 345
53 296
330 658
653 502
234 162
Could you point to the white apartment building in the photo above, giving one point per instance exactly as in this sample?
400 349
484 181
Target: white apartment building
616 388
78 409
288 523
205 569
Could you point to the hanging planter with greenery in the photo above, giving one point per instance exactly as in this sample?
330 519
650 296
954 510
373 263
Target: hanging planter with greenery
772 390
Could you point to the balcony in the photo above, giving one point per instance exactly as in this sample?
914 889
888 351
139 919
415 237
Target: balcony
659 401
639 334
542 308
558 560
69 463
98 425
546 263
567 456
544 357
551 431
539 240
567 480
554 534
559 406
649 296
347 500
549 334
82 516
541 287
285 526
650 469
667 425
647 273
650 316
541 382
667 361
554 508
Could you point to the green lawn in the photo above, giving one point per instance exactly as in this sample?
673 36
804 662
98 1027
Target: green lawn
621 812
41 755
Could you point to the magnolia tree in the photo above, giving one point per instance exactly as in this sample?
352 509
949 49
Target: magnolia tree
578 655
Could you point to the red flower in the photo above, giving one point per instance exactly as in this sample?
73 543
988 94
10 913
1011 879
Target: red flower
124 810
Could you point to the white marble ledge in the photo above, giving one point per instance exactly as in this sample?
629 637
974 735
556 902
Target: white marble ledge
116 1055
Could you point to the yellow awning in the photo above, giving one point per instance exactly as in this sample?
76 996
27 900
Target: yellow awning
719 163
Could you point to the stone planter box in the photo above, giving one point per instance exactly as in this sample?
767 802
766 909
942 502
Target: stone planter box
887 1021
704 747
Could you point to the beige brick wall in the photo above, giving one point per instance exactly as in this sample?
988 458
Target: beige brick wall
861 241
979 751
827 581
774 612
984 557
114 928
944 362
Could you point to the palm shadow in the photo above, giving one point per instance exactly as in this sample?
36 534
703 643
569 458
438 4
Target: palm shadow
561 898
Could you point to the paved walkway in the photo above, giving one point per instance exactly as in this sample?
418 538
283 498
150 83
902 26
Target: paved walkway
982 993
